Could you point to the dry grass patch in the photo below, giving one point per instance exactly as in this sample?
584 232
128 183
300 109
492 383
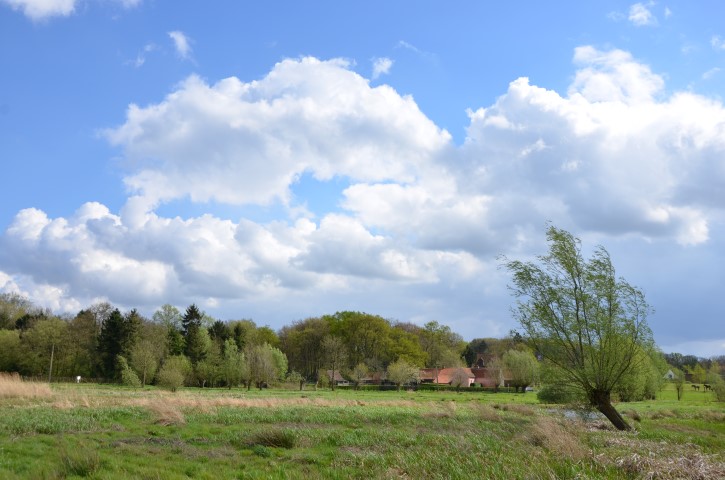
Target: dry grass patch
438 410
486 412
166 414
524 410
663 414
556 437
660 460
711 416
12 386
634 415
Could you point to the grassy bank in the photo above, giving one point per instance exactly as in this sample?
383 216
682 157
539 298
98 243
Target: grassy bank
77 431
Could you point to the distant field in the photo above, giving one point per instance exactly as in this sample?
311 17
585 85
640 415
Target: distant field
92 431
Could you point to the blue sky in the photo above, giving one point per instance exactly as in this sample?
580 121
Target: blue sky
282 160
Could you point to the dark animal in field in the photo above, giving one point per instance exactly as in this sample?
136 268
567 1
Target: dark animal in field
707 387
696 387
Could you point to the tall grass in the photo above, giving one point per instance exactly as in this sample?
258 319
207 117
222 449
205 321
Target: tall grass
12 386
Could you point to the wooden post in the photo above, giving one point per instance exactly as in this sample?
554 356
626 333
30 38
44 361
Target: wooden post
50 370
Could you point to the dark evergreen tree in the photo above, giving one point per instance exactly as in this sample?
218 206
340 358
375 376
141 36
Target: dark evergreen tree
474 347
219 333
118 336
132 330
192 316
110 343
175 342
194 346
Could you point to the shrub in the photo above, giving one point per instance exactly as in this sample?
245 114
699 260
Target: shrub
128 376
171 375
718 386
556 393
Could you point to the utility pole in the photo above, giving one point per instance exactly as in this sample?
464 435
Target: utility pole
50 370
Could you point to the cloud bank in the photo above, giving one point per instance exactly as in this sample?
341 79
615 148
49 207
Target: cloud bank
616 156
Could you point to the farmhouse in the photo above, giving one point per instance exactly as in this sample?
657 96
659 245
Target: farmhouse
484 377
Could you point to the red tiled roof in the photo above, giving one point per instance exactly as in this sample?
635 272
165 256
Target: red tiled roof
444 375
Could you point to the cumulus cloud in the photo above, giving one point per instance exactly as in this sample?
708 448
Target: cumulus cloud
621 159
43 9
615 155
640 14
239 143
381 66
94 254
182 43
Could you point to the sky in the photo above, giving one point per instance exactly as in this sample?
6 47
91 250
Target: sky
281 160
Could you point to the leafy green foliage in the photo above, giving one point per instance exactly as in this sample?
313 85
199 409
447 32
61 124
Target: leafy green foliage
401 372
173 372
589 324
128 376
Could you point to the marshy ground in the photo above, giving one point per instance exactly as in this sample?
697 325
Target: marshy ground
111 432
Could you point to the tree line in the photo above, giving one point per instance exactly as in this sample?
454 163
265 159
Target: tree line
175 348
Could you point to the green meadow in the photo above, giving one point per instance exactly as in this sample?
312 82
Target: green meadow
111 432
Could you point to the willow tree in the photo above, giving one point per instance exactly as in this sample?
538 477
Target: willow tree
584 321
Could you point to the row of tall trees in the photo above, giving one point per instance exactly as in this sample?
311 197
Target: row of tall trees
192 348
353 342
101 342
104 343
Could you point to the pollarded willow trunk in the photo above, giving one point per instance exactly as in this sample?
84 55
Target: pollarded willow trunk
602 401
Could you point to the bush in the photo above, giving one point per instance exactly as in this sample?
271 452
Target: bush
172 373
718 386
128 376
555 393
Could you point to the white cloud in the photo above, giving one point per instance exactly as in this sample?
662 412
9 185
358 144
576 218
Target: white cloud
711 73
614 156
717 42
668 12
182 43
240 143
38 10
140 59
43 9
381 66
618 159
640 14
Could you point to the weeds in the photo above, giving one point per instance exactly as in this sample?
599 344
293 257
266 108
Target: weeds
150 433
12 386
167 414
81 462
273 438
561 440
486 412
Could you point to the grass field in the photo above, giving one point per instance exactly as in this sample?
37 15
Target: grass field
92 431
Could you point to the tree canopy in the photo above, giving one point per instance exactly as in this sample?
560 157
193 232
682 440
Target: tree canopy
582 319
